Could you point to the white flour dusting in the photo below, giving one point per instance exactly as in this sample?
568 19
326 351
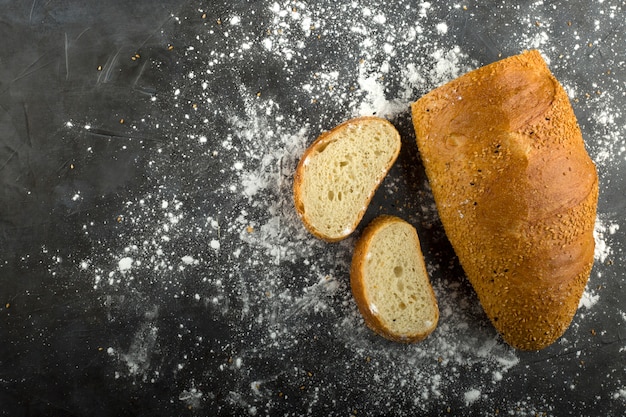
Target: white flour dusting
228 242
191 397
471 396
601 233
124 265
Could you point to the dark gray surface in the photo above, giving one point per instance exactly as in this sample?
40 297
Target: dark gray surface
229 307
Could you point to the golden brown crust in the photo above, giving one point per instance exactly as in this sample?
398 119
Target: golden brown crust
321 141
516 192
357 270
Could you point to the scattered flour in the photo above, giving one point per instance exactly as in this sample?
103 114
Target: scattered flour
471 396
125 264
620 394
192 397
589 299
188 260
601 234
137 358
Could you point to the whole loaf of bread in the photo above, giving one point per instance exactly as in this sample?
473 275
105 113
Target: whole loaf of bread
516 192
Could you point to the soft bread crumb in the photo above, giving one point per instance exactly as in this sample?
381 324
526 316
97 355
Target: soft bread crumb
339 173
390 283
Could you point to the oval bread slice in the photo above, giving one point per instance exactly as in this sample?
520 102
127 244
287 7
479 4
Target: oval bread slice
338 174
390 283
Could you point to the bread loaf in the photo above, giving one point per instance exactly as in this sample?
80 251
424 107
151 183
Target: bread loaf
516 192
338 174
390 284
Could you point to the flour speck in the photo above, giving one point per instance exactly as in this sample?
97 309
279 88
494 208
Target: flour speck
471 396
125 264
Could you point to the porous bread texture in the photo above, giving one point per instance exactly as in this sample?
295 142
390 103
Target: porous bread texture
339 173
516 192
390 283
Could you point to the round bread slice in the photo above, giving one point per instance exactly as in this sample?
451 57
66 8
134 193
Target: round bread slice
390 283
339 173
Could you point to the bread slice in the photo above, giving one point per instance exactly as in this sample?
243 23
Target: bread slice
390 283
338 174
516 192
